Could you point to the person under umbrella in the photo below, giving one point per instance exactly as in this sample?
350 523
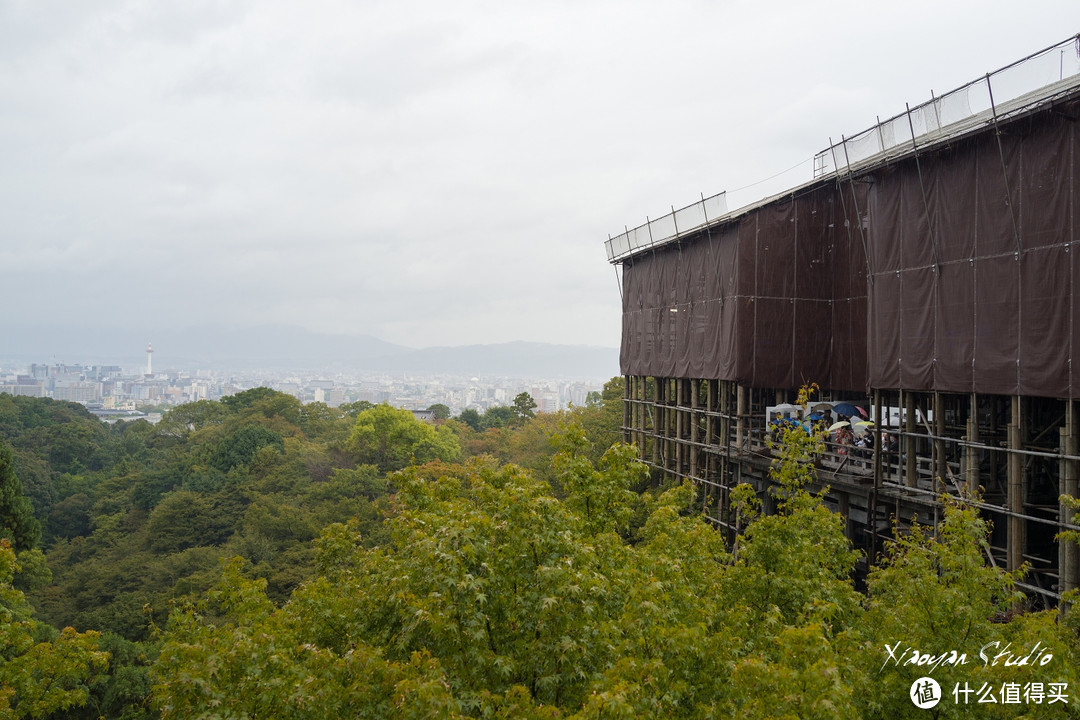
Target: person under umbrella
844 436
845 410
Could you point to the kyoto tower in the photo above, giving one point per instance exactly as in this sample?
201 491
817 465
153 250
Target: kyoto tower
149 352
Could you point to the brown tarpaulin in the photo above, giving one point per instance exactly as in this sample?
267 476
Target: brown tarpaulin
994 314
771 299
971 289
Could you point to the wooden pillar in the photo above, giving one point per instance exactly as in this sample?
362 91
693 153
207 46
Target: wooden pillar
672 423
725 439
711 396
688 419
635 412
740 420
725 418
1015 500
695 405
994 457
646 415
665 426
971 456
710 430
940 468
871 511
627 419
639 415
911 475
680 425
878 431
845 512
1068 553
669 423
658 419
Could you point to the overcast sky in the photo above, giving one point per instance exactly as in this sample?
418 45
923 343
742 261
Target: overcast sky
428 172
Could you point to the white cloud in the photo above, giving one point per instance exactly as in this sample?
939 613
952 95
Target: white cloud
433 173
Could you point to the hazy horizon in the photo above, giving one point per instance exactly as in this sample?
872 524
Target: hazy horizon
289 347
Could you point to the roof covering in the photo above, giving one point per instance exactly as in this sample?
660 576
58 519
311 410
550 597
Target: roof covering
1019 87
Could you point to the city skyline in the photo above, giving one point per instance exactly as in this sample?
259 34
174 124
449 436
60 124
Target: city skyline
113 392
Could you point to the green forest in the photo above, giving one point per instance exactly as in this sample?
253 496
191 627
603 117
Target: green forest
256 557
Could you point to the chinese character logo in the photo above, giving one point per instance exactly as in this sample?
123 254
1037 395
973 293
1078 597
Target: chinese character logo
925 693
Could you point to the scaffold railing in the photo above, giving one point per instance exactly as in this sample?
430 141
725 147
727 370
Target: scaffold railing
980 102
1017 86
664 229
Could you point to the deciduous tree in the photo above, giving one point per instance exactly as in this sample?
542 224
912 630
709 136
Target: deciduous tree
17 521
390 439
442 412
38 677
524 406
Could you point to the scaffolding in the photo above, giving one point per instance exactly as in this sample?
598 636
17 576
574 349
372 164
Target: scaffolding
1012 457
930 272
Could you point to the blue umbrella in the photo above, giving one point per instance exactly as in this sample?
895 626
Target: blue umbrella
845 409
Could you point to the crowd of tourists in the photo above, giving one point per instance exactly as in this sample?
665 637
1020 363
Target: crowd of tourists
848 428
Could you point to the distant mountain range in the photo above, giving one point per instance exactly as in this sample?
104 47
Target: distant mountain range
285 348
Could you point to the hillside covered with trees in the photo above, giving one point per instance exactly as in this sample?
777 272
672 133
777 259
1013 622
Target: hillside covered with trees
259 558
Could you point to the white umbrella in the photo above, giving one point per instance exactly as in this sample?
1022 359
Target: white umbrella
838 425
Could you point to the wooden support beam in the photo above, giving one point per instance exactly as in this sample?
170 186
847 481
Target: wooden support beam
740 419
639 425
910 475
710 428
845 511
673 423
668 424
646 413
658 419
724 440
940 469
680 425
994 475
1068 553
695 404
725 409
871 511
971 459
1015 499
638 419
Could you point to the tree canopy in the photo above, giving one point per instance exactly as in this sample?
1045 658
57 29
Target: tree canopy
524 407
494 598
40 675
17 521
262 558
390 439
